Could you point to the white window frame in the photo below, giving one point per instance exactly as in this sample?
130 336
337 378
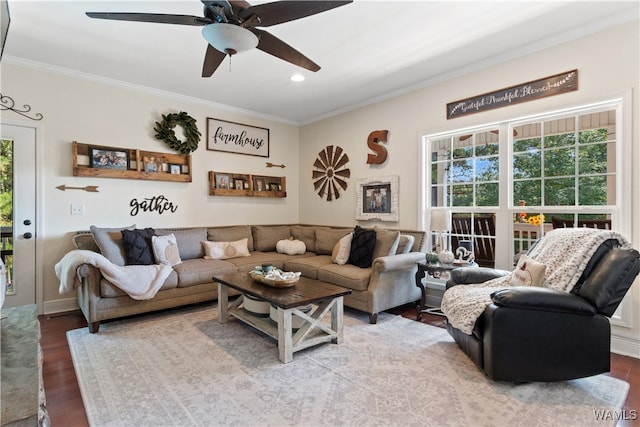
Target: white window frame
621 213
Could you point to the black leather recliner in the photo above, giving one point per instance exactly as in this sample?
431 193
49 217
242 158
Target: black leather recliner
538 334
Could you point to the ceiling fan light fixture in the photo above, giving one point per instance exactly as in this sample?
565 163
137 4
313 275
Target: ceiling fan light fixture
229 38
297 77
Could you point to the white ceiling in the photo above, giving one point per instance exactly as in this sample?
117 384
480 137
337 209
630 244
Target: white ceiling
368 50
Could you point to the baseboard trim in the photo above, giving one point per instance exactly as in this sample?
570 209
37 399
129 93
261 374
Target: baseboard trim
625 346
60 306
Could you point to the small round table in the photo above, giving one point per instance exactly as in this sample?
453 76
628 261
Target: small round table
437 271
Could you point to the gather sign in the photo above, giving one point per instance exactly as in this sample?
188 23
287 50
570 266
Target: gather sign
237 138
536 89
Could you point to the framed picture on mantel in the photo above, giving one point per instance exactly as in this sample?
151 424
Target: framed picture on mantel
237 138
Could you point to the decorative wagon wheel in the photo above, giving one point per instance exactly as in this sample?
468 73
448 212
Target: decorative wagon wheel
330 172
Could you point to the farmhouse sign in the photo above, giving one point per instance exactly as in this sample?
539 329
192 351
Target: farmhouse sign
237 138
536 89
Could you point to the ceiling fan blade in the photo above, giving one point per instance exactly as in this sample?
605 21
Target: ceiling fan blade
275 13
274 46
212 60
152 17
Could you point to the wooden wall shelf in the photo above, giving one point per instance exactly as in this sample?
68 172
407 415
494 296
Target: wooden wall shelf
246 185
138 159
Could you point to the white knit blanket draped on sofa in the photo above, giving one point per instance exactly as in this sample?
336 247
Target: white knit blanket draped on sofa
140 282
565 252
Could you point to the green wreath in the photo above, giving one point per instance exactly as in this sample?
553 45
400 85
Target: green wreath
164 131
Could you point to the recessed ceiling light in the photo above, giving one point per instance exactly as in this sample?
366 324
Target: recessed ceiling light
296 77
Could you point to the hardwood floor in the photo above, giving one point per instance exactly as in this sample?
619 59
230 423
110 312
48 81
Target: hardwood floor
64 401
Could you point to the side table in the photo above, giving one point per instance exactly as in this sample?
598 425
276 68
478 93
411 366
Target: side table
437 271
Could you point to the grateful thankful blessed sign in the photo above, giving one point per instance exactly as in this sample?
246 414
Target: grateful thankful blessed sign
548 86
237 138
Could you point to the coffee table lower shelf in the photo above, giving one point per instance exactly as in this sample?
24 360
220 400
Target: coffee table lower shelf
312 332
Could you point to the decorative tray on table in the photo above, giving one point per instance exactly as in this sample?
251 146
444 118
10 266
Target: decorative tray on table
275 278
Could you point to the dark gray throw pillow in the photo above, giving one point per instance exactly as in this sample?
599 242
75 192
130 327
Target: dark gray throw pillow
137 246
362 246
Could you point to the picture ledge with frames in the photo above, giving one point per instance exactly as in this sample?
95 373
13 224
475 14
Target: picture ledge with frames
246 185
113 162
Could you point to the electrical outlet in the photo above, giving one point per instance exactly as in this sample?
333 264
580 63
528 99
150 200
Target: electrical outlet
77 209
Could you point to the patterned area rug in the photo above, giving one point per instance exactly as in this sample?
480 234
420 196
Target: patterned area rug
183 368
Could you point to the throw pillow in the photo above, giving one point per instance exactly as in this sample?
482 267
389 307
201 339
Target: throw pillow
528 272
165 249
342 250
291 246
226 250
137 246
109 240
362 246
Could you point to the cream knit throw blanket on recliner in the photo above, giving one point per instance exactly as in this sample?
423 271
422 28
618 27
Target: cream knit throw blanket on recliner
565 252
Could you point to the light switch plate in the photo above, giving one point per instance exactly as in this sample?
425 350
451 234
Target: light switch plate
77 209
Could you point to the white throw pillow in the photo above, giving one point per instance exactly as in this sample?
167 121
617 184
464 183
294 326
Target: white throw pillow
165 249
226 250
341 250
528 272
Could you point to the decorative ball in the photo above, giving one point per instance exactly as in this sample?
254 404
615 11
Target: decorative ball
446 257
432 257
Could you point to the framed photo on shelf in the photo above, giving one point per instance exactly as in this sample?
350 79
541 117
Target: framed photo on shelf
223 181
175 169
259 184
109 158
274 186
377 198
238 183
152 164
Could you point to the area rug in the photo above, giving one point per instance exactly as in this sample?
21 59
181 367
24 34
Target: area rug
184 368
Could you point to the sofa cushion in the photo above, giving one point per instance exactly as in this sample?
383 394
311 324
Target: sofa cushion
405 243
225 250
137 246
326 239
188 240
348 276
197 271
165 250
265 238
386 242
109 240
362 247
245 264
308 266
305 233
231 234
341 250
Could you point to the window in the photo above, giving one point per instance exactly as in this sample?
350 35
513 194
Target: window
508 183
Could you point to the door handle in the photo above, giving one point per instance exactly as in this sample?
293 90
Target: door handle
27 222
27 235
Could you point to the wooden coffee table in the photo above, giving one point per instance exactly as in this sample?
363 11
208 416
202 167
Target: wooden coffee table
325 297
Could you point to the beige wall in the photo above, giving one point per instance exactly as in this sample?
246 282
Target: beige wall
608 66
94 113
90 112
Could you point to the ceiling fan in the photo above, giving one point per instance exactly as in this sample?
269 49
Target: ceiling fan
230 27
